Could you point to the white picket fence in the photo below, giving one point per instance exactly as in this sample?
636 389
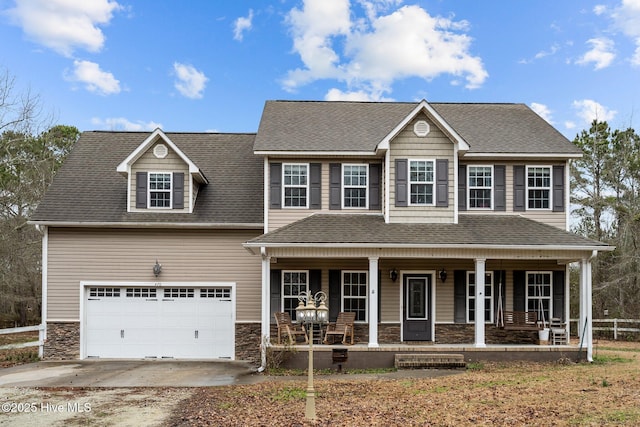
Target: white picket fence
39 343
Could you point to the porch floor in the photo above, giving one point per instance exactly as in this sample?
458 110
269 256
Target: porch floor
361 356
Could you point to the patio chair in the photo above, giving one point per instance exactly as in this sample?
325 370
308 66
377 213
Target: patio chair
343 326
558 332
286 326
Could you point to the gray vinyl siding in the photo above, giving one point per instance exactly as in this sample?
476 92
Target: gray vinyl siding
171 163
436 145
77 255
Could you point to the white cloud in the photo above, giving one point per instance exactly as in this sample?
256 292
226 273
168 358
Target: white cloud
379 49
542 110
357 96
93 78
601 53
190 82
570 124
64 25
626 18
241 25
589 110
599 9
120 123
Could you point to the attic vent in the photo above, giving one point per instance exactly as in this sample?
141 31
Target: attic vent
160 151
421 128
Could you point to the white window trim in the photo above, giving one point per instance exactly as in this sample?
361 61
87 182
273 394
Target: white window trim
282 295
470 299
365 298
433 182
550 188
285 186
469 188
149 190
366 186
550 297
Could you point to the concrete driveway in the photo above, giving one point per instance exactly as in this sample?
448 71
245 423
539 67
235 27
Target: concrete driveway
128 373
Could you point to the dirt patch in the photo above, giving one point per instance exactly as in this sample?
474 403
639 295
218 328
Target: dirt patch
62 407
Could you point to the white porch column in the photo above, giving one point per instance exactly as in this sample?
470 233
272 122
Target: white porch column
373 302
582 299
589 312
265 325
479 307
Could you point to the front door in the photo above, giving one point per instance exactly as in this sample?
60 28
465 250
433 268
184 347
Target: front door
417 319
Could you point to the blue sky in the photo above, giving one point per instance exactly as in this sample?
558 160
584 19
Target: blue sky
210 65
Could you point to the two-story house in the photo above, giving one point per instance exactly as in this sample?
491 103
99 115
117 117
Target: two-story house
184 245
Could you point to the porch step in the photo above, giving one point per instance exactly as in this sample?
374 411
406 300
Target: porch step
427 360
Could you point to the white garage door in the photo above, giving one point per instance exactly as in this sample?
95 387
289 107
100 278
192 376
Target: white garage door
149 322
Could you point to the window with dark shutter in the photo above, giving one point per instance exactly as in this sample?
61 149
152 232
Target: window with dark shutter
315 186
141 190
519 188
375 184
558 188
335 186
500 197
178 190
460 296
402 187
275 185
442 182
462 187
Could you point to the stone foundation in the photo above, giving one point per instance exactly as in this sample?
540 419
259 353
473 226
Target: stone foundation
464 333
63 341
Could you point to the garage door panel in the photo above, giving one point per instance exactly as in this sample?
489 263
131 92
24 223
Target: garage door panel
178 322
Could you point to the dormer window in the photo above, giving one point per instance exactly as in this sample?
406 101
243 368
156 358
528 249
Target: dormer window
160 190
421 174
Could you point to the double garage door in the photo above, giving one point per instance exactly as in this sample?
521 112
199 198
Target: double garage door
159 322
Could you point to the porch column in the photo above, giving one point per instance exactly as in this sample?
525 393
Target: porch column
589 312
265 326
373 302
479 307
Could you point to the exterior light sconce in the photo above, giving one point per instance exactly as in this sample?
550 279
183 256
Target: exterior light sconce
393 274
443 275
157 269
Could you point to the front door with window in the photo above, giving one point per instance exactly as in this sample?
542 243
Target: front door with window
417 319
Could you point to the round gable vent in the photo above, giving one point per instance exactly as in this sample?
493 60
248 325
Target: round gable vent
160 151
421 128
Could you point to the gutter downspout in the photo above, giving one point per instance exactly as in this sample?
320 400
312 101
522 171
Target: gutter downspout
589 307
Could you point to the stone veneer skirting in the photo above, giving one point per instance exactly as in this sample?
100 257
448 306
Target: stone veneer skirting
63 341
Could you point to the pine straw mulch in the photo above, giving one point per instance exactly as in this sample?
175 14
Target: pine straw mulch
606 392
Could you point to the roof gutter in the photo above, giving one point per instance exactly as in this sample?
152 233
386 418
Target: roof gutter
208 225
426 246
469 155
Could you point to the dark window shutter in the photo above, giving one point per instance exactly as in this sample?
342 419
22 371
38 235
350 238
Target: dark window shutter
460 296
315 281
462 187
402 182
275 186
178 190
275 282
442 182
519 290
335 294
335 184
558 294
558 188
500 189
141 190
375 184
519 188
315 185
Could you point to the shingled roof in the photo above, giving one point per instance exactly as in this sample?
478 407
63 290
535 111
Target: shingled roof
360 126
472 230
87 189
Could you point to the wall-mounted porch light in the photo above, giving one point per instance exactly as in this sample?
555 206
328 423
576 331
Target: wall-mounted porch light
443 275
393 274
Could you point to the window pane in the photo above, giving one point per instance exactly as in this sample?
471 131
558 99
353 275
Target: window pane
480 186
295 185
421 194
539 187
354 293
293 284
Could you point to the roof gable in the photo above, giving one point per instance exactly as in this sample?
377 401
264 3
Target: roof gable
155 137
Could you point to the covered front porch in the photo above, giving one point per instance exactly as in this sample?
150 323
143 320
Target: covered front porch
414 289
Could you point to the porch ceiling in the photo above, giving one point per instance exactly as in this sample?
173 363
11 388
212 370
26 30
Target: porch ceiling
472 231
